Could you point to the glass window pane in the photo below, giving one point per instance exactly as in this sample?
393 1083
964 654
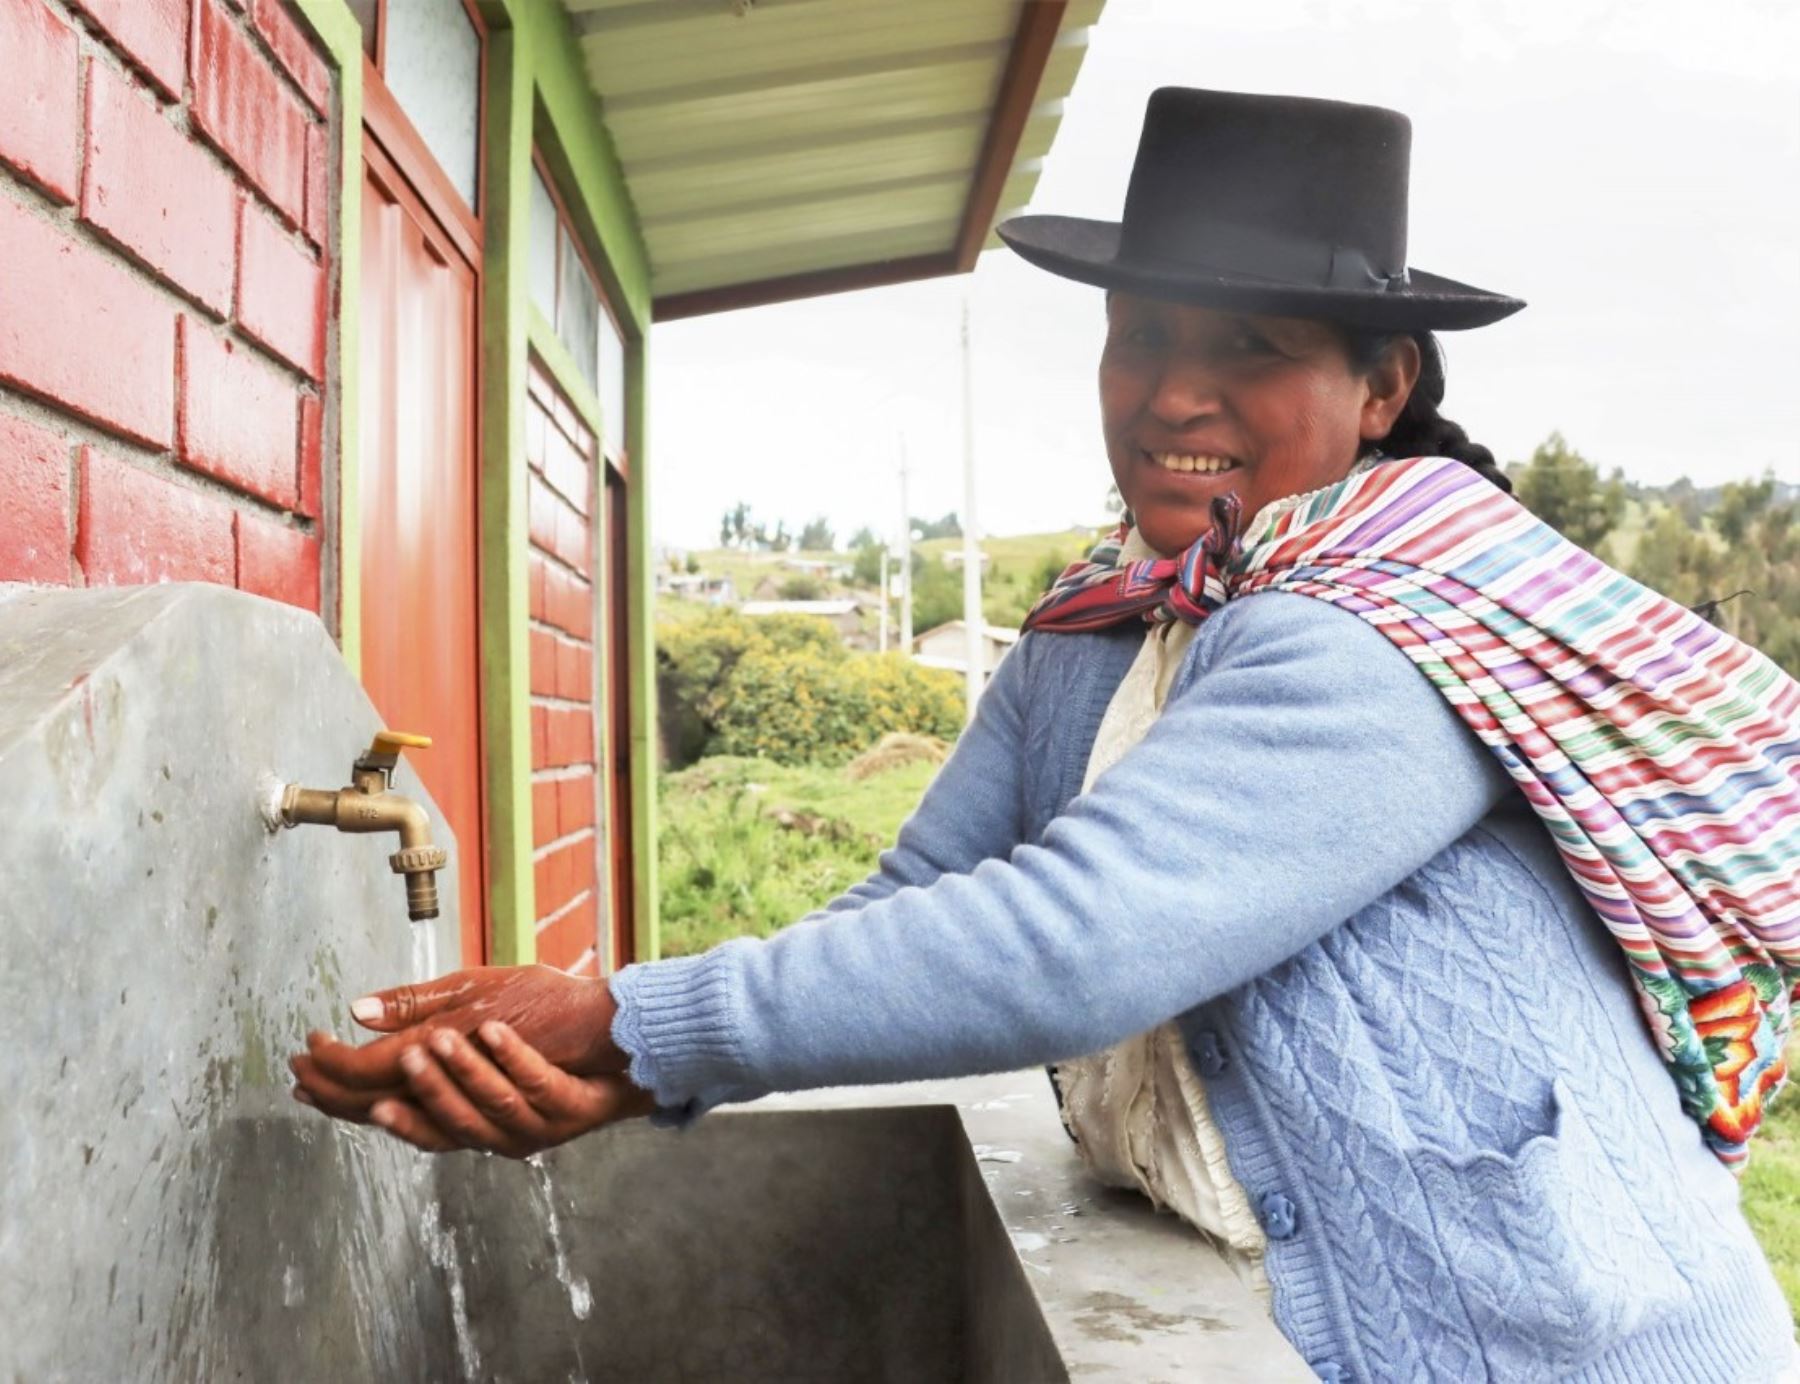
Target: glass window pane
612 388
577 317
543 248
434 71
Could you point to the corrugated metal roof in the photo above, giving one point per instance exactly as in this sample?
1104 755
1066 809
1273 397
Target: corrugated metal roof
763 139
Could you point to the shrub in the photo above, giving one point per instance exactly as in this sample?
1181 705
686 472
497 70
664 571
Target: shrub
785 688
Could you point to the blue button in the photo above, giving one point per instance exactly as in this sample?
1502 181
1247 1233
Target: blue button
1328 1370
1278 1216
1210 1057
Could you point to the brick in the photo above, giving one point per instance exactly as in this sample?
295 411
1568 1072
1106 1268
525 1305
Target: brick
312 458
540 738
40 134
278 562
564 941
539 605
135 527
158 195
571 735
294 51
34 503
318 185
566 419
539 387
537 428
544 827
152 34
239 418
572 539
541 507
558 874
246 111
574 670
81 331
575 803
568 602
565 470
280 292
543 663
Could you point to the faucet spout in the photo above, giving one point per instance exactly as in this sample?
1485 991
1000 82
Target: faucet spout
370 804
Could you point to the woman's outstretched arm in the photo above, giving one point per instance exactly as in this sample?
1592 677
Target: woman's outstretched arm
1301 771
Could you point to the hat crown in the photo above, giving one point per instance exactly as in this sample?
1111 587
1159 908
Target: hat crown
1287 188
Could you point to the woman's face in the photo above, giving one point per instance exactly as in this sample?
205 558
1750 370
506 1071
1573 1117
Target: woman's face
1196 402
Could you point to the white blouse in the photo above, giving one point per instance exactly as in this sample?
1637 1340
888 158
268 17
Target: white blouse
1139 1108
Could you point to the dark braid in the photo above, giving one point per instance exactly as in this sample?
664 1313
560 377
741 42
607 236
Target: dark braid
1421 431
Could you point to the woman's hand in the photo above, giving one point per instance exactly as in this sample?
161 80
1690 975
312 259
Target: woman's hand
508 1100
564 1020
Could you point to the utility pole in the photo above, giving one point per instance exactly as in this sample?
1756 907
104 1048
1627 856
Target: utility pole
883 588
906 635
974 627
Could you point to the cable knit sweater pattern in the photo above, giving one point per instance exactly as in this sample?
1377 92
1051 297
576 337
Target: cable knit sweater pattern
1416 1037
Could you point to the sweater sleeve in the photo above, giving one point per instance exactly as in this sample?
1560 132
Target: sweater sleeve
972 811
1301 768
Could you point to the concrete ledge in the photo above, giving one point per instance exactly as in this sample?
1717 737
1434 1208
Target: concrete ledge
1128 1293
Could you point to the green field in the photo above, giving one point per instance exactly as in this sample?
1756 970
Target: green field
1772 1191
730 868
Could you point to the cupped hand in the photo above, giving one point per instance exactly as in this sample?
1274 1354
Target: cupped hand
507 1099
565 1020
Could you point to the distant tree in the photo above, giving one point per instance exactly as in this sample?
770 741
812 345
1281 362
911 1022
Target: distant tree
1564 489
735 530
817 536
1049 568
693 565
781 540
863 538
937 594
1741 504
947 527
804 587
866 569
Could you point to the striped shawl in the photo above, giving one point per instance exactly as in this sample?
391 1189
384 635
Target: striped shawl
1662 754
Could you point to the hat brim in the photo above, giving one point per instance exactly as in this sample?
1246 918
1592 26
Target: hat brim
1088 252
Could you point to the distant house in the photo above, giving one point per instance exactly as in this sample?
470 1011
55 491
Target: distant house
831 568
699 586
946 646
953 557
844 615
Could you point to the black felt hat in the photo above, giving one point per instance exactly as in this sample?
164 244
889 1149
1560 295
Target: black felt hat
1276 204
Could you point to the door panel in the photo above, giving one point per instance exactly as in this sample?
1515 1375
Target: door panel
420 593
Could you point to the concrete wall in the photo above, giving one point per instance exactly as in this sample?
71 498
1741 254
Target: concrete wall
162 1213
166 183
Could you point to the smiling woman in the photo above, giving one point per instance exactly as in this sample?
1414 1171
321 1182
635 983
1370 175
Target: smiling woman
1338 911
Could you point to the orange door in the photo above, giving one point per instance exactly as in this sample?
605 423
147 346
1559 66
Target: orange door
420 597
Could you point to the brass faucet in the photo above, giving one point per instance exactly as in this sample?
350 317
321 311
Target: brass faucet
370 804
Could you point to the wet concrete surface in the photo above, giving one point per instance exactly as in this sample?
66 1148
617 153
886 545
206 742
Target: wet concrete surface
167 1213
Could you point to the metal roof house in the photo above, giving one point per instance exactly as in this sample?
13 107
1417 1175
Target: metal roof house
349 303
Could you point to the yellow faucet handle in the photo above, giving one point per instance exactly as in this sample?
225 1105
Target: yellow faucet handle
393 741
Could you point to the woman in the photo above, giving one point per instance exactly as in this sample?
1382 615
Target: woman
1355 895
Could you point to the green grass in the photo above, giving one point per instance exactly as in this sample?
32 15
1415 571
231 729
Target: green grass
730 869
1771 1191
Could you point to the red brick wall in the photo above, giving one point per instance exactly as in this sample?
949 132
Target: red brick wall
560 454
164 177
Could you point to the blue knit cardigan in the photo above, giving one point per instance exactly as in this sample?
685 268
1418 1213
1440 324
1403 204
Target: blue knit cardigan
1417 1039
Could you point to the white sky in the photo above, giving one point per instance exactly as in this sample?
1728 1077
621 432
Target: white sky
1631 168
